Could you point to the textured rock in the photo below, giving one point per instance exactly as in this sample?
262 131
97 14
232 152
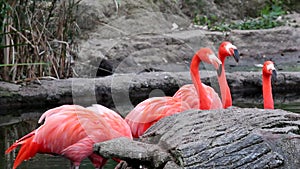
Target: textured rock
231 138
141 35
124 91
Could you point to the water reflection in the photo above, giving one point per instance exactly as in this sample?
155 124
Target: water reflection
292 107
13 126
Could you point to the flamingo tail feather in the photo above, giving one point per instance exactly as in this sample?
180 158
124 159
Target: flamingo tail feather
28 149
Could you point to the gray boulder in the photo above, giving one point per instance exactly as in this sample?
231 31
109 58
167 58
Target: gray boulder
228 138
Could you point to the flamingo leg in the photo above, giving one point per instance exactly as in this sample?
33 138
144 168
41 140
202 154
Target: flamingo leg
74 166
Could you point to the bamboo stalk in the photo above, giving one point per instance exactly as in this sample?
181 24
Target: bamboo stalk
7 49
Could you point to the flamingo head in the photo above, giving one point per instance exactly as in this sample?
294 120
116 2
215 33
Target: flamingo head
208 56
228 49
269 70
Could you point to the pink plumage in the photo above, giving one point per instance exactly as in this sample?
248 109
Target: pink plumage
71 131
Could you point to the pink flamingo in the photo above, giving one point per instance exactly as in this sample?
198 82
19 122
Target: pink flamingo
188 92
268 72
153 109
226 49
71 131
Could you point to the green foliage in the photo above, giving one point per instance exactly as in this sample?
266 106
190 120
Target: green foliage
195 7
205 20
268 18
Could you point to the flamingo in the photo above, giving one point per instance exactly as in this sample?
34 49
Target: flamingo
268 72
71 131
199 95
188 92
226 49
153 109
149 111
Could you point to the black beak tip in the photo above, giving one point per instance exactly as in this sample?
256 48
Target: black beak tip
219 71
236 55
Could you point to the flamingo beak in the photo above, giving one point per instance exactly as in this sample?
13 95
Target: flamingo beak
215 61
236 55
219 70
217 64
274 75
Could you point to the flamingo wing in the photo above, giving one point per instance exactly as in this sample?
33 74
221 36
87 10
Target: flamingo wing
151 110
111 120
63 133
188 94
215 101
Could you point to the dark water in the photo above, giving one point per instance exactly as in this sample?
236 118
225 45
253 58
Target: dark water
292 107
14 125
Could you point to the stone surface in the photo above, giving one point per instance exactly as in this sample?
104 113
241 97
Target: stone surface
229 138
140 35
173 51
134 37
123 91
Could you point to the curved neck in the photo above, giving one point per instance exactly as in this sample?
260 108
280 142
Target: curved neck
224 88
204 103
267 93
221 57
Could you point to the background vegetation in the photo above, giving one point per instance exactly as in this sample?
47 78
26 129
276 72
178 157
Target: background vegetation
267 17
37 38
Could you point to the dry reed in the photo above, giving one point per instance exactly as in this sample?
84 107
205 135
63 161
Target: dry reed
37 39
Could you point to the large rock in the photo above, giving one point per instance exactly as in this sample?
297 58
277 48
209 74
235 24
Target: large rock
130 36
112 32
124 91
228 138
223 10
173 51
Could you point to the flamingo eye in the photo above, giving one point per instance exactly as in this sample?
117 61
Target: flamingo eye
270 67
230 46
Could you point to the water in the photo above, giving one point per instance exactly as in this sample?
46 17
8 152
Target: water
292 107
14 125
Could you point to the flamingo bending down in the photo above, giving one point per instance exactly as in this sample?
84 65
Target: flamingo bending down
268 72
71 131
226 49
153 109
199 95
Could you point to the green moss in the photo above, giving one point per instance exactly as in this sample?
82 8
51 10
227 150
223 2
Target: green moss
7 94
267 18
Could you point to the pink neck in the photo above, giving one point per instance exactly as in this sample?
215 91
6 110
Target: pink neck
224 88
267 93
204 103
